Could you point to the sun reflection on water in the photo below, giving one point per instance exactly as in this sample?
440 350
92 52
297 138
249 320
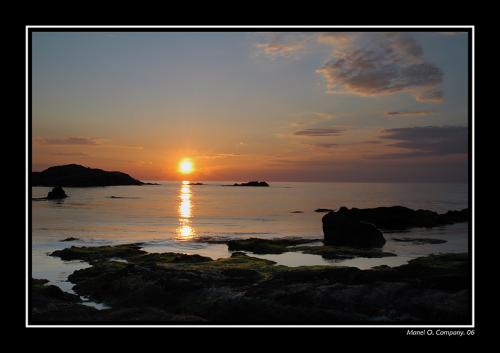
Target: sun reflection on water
185 231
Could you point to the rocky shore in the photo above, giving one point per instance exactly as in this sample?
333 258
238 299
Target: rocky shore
179 288
173 287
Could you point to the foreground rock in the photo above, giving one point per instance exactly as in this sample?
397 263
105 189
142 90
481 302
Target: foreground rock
341 228
399 217
130 252
56 193
244 289
75 175
49 303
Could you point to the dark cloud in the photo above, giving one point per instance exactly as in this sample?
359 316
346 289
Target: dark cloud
366 63
409 113
427 141
75 154
383 64
85 141
319 132
325 145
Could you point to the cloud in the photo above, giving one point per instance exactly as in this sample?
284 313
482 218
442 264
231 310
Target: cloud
283 44
75 154
381 64
325 145
427 141
312 119
319 132
366 63
84 141
337 38
218 155
409 113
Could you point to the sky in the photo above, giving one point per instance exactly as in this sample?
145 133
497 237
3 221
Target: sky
274 106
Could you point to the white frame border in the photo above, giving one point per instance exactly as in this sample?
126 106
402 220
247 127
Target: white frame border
215 27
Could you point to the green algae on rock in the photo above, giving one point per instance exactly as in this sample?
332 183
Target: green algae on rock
245 289
340 252
280 246
93 253
266 246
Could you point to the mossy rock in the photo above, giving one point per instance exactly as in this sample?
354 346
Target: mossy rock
236 260
341 253
440 262
43 293
132 253
266 246
94 253
248 289
280 246
169 257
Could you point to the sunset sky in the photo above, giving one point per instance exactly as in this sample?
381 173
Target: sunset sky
330 106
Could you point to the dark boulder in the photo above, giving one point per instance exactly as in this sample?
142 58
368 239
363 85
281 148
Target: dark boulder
340 228
56 193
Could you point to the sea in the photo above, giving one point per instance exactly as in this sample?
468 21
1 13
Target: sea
179 217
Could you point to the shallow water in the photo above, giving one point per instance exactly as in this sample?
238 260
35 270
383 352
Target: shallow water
174 217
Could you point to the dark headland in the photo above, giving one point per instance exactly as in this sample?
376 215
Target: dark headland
74 175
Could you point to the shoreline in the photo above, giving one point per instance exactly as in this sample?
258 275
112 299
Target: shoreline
192 288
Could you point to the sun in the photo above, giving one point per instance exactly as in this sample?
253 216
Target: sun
186 166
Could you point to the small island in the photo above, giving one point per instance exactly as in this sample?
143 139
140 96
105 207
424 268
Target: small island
250 183
74 175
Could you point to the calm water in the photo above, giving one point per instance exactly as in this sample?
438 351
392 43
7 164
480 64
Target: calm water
174 217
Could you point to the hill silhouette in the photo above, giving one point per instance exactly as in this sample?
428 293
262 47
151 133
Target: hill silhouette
79 176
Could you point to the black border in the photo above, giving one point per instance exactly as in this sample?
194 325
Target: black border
226 28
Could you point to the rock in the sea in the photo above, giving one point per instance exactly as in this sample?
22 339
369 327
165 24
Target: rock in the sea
70 239
399 217
252 183
341 228
56 193
75 175
323 210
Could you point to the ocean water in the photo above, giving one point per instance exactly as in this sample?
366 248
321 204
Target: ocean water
175 216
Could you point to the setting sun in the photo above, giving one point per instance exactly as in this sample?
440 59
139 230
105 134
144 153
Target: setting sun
186 166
